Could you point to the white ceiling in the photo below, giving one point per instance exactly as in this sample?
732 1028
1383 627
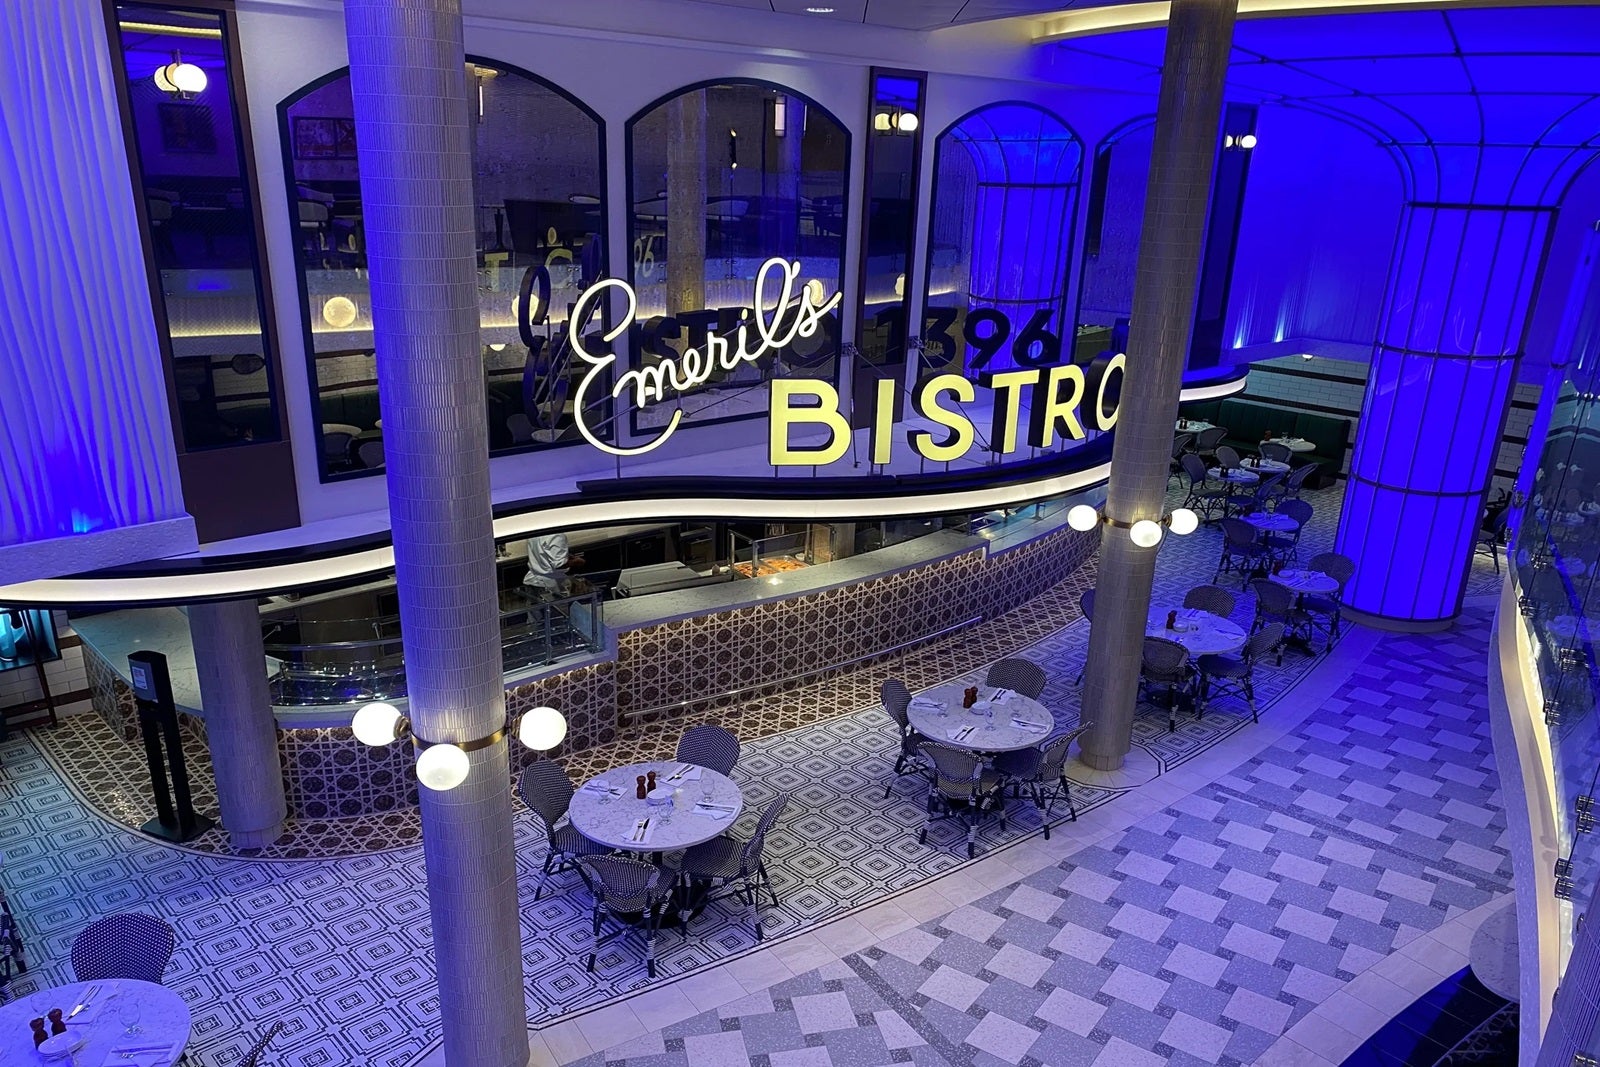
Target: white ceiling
910 14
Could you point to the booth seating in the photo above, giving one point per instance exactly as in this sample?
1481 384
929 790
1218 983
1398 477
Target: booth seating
359 407
1248 421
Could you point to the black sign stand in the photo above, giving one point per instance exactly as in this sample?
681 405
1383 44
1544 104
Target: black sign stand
158 720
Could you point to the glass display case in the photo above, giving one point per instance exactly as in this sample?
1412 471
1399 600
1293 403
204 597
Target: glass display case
783 550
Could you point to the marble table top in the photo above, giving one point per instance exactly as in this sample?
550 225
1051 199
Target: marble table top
1304 581
1188 426
1262 520
1018 722
1270 466
163 1024
1201 632
1295 444
1238 474
614 821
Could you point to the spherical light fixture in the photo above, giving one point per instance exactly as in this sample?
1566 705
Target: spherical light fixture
1082 517
1183 522
1247 141
882 122
443 767
183 80
339 312
1145 533
377 724
906 122
542 729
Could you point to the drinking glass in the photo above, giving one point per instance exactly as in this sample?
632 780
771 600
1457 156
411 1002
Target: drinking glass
128 1014
988 717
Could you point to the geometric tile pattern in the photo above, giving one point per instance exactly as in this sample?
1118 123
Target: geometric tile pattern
1200 935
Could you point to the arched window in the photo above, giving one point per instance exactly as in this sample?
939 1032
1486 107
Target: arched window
723 177
1005 188
538 185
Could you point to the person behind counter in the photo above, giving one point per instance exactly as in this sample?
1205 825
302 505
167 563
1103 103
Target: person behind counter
548 560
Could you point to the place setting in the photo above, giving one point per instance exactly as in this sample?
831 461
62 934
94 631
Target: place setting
107 1023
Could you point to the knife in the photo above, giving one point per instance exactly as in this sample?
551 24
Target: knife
638 834
88 995
682 770
140 1050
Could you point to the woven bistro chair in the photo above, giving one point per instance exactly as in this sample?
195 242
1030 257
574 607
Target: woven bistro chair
897 703
726 861
1236 673
1276 451
1165 665
1041 771
625 888
547 791
130 945
1243 551
1285 546
1018 675
1204 496
1325 611
1206 441
1212 598
964 790
1182 443
1276 604
1295 480
252 1058
708 745
1228 458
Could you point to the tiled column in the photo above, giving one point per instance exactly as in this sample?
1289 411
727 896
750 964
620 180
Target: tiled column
1199 36
231 666
408 82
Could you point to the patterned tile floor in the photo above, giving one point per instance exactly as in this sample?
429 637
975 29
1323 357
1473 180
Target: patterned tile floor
248 927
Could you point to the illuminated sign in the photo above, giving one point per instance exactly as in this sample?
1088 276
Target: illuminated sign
784 311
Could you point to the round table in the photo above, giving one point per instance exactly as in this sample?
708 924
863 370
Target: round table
163 1022
1304 581
1272 521
1186 426
939 716
1204 634
1238 475
1271 466
1293 444
613 821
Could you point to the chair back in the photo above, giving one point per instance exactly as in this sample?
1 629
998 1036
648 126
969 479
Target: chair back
1053 756
1194 468
752 848
1212 598
1272 598
1163 660
1267 489
1206 440
1339 567
897 702
621 883
253 1057
1276 451
1298 476
370 453
1086 603
1019 675
1181 443
709 746
336 446
130 945
1262 641
546 789
1298 510
1227 458
1238 533
955 770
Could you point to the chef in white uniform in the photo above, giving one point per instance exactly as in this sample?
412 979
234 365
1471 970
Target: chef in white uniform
548 560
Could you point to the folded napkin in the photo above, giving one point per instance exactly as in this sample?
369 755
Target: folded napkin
959 733
642 831
1001 696
686 772
713 810
926 702
601 789
1025 724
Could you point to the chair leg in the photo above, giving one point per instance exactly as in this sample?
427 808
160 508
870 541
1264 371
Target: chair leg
1250 698
1066 791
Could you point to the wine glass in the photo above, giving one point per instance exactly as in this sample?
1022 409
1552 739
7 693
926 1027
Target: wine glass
39 1002
988 716
128 1014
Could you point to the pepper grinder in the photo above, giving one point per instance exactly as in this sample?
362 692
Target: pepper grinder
640 791
650 785
58 1025
39 1035
1172 620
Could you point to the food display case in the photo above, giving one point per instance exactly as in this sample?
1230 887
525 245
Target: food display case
782 550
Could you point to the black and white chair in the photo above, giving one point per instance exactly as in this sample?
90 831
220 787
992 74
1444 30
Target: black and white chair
727 861
1225 673
1206 441
964 790
1018 675
130 945
1295 480
1325 610
253 1057
1211 598
628 889
1207 499
1276 451
1182 443
1165 666
1277 604
897 703
709 745
1243 551
548 792
1041 772
1286 546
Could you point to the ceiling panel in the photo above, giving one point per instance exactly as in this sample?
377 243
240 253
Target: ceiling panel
913 14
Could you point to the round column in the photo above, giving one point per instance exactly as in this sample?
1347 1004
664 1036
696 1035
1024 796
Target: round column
408 82
1199 36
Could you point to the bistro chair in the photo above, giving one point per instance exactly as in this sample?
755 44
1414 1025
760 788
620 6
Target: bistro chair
1242 550
1228 458
1085 605
370 453
1235 673
129 945
1203 497
1328 606
1492 534
548 792
709 745
1180 444
1206 441
1263 495
13 959
1041 771
1276 604
897 702
1276 451
627 889
1018 675
336 448
726 861
1286 546
1212 598
1295 480
964 790
1165 665
253 1057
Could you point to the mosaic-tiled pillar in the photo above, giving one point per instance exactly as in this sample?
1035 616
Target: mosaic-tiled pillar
1199 36
240 730
408 83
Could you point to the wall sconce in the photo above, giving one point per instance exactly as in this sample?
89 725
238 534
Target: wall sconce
442 765
182 80
1244 142
1146 533
896 121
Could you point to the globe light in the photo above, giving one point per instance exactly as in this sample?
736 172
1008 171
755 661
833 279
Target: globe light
542 729
442 767
180 79
1183 522
882 122
339 312
376 724
1145 534
1248 141
1082 517
906 122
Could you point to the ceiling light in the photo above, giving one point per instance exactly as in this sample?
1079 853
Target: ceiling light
905 122
180 79
1247 141
820 10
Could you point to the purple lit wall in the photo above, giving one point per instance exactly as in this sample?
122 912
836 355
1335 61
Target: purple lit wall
90 476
